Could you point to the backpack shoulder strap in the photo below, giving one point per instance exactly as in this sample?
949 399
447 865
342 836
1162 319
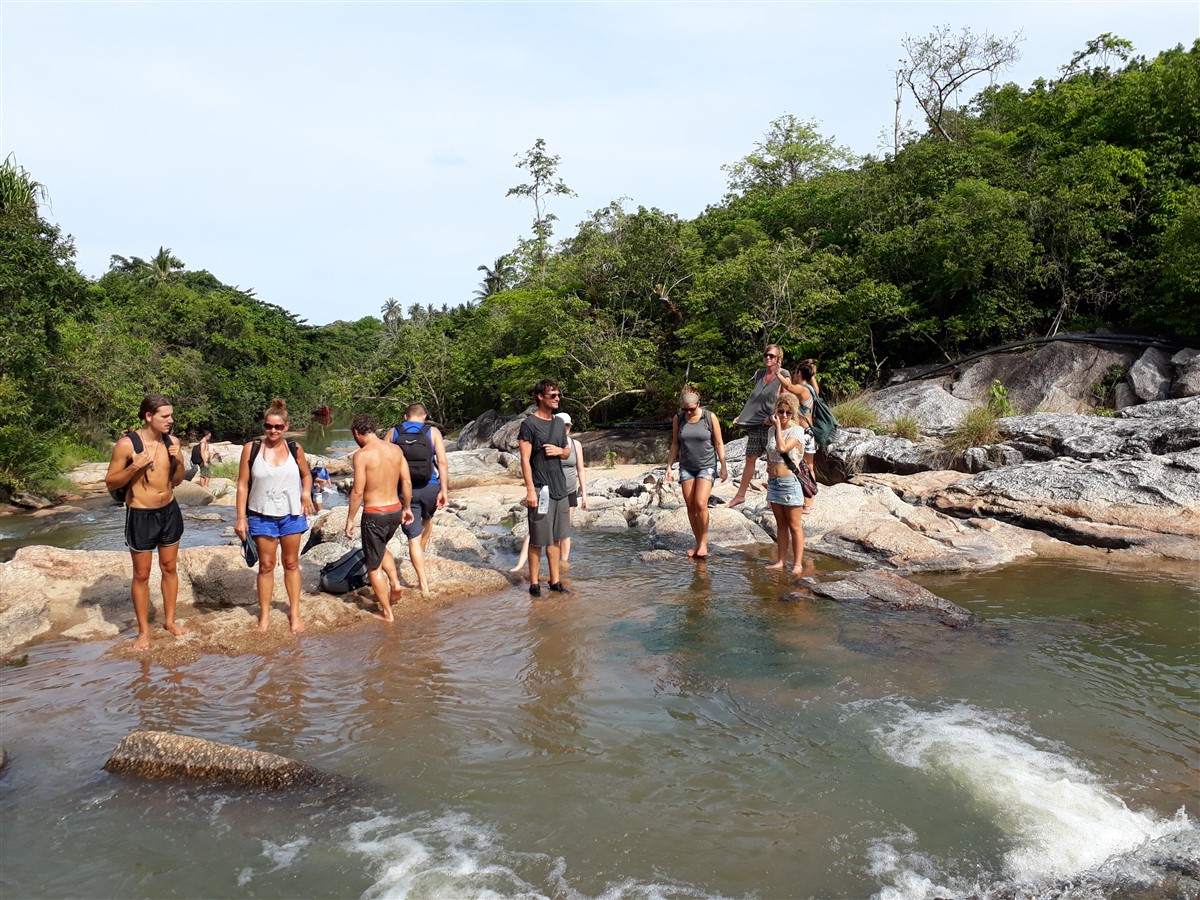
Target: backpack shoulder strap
706 415
136 440
294 449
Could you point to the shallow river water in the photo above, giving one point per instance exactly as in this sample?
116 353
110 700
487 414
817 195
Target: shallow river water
667 731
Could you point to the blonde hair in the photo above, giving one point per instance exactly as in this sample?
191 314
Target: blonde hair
790 401
278 407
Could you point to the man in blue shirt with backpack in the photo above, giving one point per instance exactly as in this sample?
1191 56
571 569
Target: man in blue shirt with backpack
425 453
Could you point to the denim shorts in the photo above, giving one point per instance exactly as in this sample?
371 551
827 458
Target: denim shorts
276 526
688 474
785 491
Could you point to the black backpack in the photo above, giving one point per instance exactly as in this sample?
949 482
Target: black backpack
345 574
119 494
197 456
417 447
255 447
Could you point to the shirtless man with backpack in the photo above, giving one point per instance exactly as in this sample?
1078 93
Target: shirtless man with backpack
146 466
425 453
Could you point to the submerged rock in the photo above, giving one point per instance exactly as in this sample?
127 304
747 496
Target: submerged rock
894 592
163 755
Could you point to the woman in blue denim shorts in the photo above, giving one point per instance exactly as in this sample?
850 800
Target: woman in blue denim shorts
784 494
696 442
274 500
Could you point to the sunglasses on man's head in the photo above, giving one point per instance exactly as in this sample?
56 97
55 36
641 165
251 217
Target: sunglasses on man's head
269 427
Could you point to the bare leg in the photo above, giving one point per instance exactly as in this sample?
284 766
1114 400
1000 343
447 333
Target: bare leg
139 589
796 529
552 561
416 555
564 546
523 558
268 549
535 564
168 565
381 587
688 489
426 531
783 534
393 576
290 546
744 484
698 514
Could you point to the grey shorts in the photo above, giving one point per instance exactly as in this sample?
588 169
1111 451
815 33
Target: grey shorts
756 440
552 525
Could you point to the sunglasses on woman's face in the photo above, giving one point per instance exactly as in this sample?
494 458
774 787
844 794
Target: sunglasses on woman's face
269 427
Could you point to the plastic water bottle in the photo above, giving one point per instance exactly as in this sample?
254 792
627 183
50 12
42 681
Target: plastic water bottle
544 500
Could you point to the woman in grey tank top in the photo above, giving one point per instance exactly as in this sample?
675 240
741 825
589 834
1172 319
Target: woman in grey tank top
697 444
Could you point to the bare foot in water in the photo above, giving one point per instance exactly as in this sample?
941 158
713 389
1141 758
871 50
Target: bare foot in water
297 625
798 570
776 566
691 554
142 642
385 616
176 629
264 621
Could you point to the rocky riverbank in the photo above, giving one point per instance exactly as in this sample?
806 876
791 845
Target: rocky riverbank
1123 489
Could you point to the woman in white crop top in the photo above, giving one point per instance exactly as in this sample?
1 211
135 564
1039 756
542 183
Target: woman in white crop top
784 494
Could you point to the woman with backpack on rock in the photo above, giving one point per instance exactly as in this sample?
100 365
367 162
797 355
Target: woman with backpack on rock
697 444
274 500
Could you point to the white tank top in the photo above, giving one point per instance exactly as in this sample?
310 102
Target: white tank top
275 490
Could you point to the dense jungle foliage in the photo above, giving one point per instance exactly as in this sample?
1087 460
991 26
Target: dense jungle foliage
1068 206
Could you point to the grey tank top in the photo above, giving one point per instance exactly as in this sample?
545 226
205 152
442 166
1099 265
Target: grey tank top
275 490
696 448
570 467
761 404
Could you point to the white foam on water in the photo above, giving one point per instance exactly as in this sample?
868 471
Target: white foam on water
455 856
1061 821
280 856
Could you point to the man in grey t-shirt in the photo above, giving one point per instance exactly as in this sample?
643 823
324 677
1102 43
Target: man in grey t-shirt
543 443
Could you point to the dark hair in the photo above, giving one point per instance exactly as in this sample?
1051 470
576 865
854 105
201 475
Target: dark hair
543 387
152 404
363 424
278 407
416 409
807 371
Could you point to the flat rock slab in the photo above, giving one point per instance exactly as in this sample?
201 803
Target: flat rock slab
896 593
163 755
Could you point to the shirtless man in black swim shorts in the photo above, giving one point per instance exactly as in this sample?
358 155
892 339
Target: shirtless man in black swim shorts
380 480
152 517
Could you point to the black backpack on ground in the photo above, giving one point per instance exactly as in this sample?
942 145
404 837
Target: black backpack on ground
417 447
119 494
345 574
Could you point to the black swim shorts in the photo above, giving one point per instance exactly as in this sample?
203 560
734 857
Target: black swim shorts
424 505
377 530
146 529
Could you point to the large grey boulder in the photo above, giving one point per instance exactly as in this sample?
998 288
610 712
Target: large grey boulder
1151 428
626 446
929 401
190 494
472 468
505 437
1150 376
894 592
478 434
1186 375
855 451
163 755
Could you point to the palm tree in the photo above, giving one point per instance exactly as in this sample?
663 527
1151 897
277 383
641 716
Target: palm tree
162 267
392 314
495 279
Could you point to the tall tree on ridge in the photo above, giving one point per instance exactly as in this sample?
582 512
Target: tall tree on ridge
543 169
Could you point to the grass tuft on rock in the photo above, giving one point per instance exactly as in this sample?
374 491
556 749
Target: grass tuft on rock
854 413
977 429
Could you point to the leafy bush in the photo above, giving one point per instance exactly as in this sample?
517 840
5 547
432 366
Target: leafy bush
226 470
998 404
854 413
977 429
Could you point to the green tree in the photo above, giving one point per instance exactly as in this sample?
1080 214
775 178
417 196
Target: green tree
790 152
544 183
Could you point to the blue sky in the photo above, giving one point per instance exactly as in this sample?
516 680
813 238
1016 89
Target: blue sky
333 155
